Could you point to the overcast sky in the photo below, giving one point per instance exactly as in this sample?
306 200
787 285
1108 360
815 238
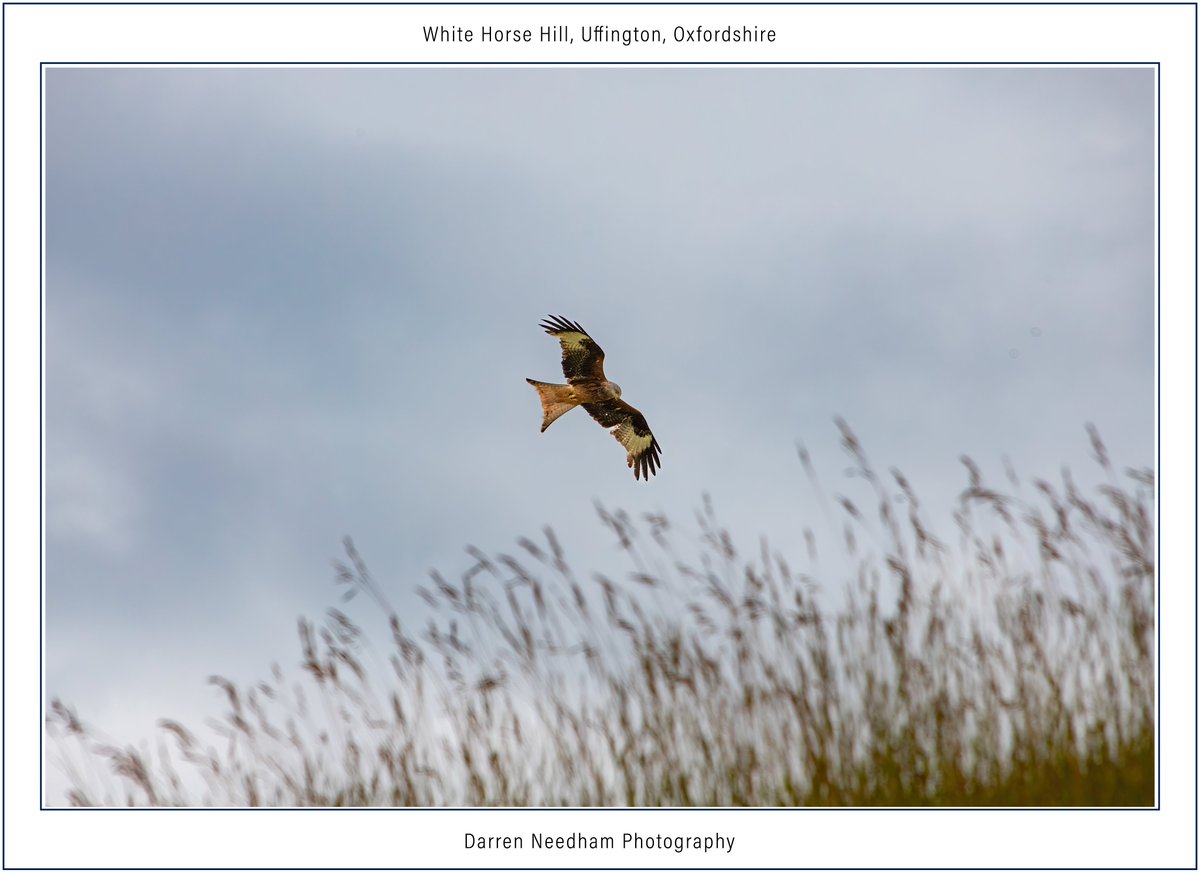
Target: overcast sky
283 306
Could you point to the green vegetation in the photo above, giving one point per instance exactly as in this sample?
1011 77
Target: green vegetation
1010 665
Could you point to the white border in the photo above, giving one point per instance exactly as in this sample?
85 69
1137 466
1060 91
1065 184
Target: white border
1030 34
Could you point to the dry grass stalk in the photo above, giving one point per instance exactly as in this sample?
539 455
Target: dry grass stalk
1015 669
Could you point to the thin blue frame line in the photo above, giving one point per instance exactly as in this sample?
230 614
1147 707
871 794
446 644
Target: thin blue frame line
753 3
574 64
4 438
675 870
1195 413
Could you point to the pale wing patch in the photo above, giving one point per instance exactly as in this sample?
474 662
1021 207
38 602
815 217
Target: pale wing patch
582 358
570 333
642 448
633 442
572 339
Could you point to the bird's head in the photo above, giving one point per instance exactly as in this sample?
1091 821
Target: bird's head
614 389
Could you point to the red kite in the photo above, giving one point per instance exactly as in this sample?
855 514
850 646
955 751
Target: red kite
583 365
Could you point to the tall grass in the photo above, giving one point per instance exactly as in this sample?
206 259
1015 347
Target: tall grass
1008 661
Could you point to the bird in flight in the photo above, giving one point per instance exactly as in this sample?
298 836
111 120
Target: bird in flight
583 365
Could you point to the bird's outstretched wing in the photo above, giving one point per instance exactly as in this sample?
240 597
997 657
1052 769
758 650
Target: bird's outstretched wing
630 429
582 357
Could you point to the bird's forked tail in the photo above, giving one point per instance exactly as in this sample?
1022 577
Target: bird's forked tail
556 400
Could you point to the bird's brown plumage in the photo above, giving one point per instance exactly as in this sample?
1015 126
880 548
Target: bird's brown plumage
582 357
583 365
